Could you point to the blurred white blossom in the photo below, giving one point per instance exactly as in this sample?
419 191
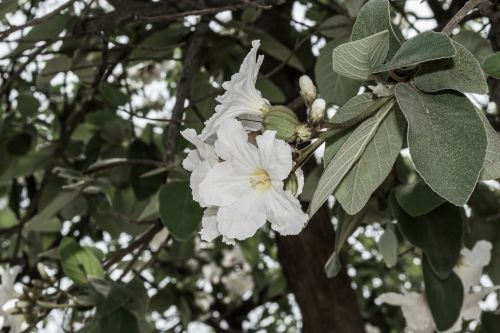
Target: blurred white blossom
238 283
469 269
9 299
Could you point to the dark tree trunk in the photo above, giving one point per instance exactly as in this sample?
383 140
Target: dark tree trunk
327 305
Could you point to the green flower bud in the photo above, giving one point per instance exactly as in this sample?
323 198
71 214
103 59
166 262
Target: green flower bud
282 120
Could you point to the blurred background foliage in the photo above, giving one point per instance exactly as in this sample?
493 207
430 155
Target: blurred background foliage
87 108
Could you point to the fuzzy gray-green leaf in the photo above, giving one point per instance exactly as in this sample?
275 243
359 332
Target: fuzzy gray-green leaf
374 17
491 168
373 166
425 47
355 60
346 157
446 138
462 73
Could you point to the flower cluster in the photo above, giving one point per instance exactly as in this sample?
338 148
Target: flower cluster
469 269
238 169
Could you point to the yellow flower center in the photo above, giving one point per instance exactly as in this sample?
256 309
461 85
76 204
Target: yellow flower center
260 180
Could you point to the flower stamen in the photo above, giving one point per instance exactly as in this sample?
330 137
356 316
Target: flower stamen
260 180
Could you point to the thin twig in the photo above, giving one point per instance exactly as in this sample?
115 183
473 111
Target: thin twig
146 162
459 16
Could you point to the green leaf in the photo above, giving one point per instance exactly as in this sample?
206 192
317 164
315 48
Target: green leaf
333 144
7 6
492 65
346 157
491 169
388 246
447 140
479 46
352 6
120 321
462 73
337 27
272 92
438 233
108 296
63 198
417 198
179 213
444 297
46 29
374 17
151 211
355 60
425 47
334 88
112 95
79 263
27 104
277 50
7 218
357 109
373 166
345 227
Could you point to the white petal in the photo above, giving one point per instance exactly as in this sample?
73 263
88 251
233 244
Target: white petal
470 267
284 211
192 160
232 145
243 218
275 155
197 176
209 229
241 97
415 310
206 151
224 184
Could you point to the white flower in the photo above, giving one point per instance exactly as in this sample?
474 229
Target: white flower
415 310
204 301
8 299
469 269
241 98
211 272
233 257
238 283
248 185
199 161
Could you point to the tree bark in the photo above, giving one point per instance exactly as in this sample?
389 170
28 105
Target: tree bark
327 305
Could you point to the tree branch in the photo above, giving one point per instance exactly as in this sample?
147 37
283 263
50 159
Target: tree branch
459 16
190 63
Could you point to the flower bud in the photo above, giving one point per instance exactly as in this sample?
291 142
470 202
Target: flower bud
307 89
317 113
282 120
42 271
304 132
